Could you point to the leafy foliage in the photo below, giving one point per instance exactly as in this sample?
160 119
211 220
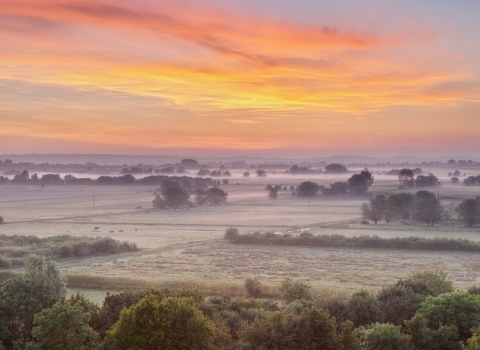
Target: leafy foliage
382 336
173 323
291 290
63 327
469 211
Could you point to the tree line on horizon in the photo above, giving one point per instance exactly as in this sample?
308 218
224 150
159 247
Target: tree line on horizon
188 182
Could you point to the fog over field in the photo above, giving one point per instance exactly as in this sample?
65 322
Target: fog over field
239 175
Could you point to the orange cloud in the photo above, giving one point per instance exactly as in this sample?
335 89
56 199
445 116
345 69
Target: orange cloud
252 76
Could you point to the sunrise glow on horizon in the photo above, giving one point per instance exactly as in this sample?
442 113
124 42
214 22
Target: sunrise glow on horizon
117 76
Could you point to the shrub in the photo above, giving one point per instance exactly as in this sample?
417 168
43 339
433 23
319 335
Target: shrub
291 290
231 233
253 286
1 220
5 262
384 336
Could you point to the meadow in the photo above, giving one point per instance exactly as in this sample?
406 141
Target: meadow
187 247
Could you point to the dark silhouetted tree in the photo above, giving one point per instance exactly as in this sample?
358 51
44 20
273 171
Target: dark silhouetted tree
469 211
273 193
216 196
406 178
375 209
427 208
336 168
359 184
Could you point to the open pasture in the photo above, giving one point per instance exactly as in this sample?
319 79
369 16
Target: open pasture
187 245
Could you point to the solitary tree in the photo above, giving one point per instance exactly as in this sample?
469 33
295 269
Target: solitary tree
261 173
358 184
469 211
406 178
273 193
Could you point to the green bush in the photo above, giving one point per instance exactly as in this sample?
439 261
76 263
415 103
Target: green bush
291 290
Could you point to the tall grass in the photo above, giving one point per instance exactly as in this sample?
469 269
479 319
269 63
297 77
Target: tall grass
123 283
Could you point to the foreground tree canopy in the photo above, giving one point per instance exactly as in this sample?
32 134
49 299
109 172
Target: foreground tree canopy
173 323
420 311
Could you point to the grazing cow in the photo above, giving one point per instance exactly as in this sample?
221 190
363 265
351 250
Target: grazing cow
96 229
112 231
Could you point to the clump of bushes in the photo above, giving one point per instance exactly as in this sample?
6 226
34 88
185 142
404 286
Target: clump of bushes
291 290
253 287
14 248
231 233
340 241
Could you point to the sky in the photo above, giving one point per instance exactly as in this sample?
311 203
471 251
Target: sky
240 77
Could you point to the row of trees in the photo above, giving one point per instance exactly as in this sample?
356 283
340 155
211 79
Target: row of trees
190 183
172 195
357 185
424 206
422 311
472 180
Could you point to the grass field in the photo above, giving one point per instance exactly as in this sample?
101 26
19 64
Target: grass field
186 246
